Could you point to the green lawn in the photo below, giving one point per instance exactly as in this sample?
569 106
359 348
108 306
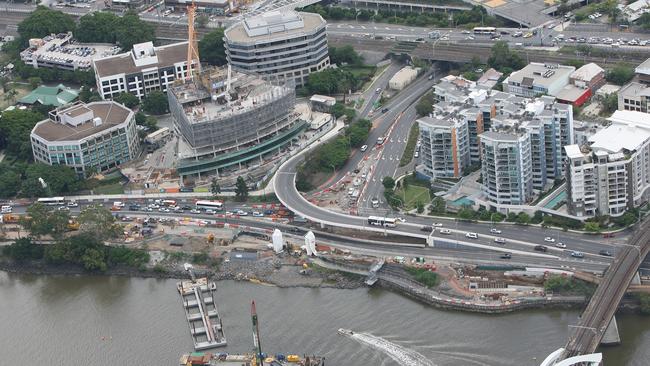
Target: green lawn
413 195
407 156
114 188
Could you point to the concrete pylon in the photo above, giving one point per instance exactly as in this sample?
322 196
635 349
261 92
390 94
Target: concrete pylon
611 336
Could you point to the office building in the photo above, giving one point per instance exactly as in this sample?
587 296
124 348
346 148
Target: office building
583 83
97 136
142 70
506 168
279 46
643 72
634 97
60 51
230 121
612 173
215 7
538 79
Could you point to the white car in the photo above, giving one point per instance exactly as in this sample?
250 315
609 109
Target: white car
364 148
471 235
72 204
548 239
242 213
195 211
500 240
257 214
561 245
445 231
436 224
209 211
495 231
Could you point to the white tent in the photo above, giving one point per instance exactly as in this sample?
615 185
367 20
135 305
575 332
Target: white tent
310 243
277 241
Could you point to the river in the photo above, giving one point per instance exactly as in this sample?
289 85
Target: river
112 321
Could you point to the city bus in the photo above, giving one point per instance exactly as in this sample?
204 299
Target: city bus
51 201
485 30
381 221
209 205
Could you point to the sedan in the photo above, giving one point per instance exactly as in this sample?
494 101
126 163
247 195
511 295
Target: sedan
195 211
560 245
548 239
242 213
606 253
426 229
495 231
445 231
257 214
500 240
506 256
72 204
401 219
437 224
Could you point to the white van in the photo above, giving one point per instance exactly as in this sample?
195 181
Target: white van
6 209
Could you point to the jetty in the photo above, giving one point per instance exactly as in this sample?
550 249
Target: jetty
198 299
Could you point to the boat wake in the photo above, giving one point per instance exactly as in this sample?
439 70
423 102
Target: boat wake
401 355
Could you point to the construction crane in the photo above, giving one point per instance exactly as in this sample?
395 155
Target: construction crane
257 346
193 45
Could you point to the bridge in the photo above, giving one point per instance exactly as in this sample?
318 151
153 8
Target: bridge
597 316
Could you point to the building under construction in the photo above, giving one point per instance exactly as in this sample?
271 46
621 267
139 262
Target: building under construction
230 121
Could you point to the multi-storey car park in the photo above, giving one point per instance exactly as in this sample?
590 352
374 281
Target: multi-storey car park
231 122
280 46
97 136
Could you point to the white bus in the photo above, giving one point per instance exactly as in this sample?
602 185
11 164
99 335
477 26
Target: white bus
51 201
381 221
485 30
209 205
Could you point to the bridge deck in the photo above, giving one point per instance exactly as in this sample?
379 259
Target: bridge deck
601 308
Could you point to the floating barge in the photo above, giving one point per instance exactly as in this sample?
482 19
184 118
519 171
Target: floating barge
201 311
223 359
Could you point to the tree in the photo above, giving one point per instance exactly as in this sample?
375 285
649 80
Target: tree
34 82
42 221
44 21
129 100
98 27
241 188
425 105
523 219
644 21
59 179
420 207
592 226
202 21
151 123
155 103
130 29
610 103
502 57
331 81
15 127
9 182
388 182
620 74
215 188
24 249
211 48
98 222
345 55
438 205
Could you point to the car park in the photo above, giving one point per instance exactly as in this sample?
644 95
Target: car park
577 254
